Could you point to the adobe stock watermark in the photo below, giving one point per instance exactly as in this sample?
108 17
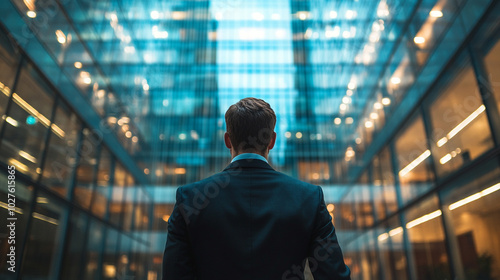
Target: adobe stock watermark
11 218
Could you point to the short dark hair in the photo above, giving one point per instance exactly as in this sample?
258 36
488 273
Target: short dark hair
250 124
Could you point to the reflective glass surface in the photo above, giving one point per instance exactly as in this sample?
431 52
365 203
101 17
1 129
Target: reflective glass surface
390 106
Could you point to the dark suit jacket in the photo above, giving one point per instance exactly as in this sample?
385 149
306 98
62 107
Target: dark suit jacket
251 222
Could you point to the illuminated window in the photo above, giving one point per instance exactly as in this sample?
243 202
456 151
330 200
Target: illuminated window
459 123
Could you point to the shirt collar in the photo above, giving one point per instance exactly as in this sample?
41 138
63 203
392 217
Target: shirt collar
249 156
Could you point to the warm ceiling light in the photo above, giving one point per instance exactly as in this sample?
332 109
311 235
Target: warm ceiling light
178 15
12 122
87 81
349 120
368 124
155 15
350 14
419 40
27 156
414 163
298 135
128 134
129 49
180 170
475 196
351 86
436 13
61 38
374 116
377 106
78 65
395 80
343 107
302 15
288 134
386 101
31 14
330 207
333 14
337 121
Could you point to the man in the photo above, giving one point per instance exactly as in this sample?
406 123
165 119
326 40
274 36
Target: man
250 221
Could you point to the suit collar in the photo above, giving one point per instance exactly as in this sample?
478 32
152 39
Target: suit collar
248 163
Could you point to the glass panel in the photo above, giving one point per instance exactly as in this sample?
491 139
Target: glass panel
387 176
116 203
109 263
131 192
61 156
102 192
23 196
8 65
427 240
86 169
461 129
391 250
415 176
94 250
377 190
30 113
72 261
492 64
44 238
474 212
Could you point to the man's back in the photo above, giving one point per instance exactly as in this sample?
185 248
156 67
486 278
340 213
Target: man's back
251 222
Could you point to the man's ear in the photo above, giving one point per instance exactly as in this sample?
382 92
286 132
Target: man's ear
227 140
273 141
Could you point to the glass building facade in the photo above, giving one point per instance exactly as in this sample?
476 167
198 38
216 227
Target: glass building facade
391 106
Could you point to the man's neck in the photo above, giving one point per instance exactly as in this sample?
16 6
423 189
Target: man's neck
235 154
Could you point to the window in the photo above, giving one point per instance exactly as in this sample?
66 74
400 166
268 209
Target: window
103 189
427 240
93 250
387 178
460 125
378 190
415 176
109 263
61 155
116 202
73 254
8 65
30 115
391 250
492 64
86 169
23 195
130 194
473 209
44 238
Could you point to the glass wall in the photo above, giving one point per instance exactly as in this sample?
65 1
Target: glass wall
65 182
440 219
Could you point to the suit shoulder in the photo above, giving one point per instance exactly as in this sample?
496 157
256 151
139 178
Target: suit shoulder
298 183
218 179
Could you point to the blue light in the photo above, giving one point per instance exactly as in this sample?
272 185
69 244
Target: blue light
30 120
